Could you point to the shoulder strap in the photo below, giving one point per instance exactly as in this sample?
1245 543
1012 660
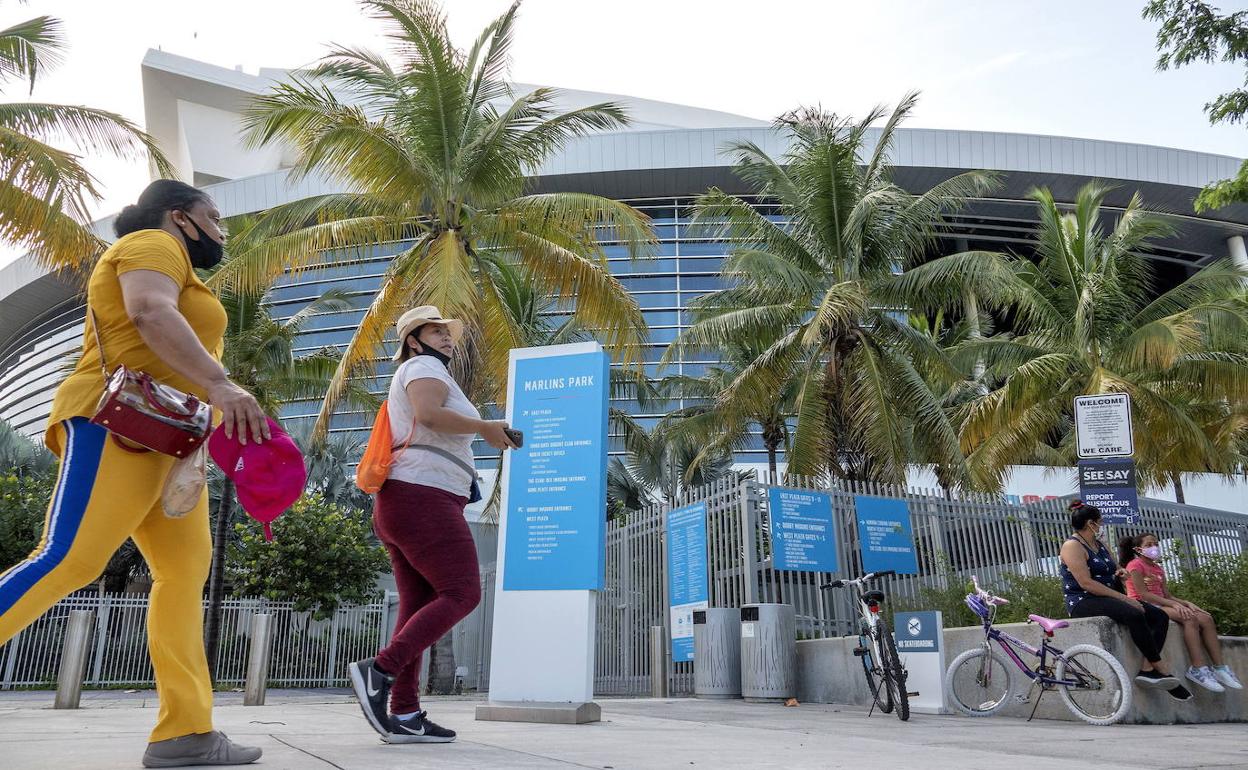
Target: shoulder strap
99 343
472 472
1079 540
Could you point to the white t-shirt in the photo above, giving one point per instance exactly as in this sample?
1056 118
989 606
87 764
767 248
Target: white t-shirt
417 466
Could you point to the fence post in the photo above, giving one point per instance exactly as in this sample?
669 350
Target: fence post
73 660
331 665
258 661
10 664
658 663
388 605
749 556
101 639
1031 567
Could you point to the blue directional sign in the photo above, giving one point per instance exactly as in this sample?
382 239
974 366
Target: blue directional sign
687 588
885 535
557 483
803 537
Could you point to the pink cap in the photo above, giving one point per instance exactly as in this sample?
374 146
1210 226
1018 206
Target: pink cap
268 477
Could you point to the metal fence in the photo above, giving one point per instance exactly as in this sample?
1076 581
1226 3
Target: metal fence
972 534
306 652
953 537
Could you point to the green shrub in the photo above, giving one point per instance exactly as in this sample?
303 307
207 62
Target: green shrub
1038 594
322 555
1219 585
23 506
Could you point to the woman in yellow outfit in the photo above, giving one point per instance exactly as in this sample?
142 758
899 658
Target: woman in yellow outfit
154 315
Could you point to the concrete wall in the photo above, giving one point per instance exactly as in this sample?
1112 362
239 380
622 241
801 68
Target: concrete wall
827 672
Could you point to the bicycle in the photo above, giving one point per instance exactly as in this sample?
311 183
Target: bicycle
886 677
1092 683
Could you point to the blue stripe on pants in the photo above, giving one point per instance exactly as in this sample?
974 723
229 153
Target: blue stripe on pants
84 446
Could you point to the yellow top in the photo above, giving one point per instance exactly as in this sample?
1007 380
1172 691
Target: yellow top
79 395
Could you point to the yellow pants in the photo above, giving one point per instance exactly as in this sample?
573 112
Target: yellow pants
103 495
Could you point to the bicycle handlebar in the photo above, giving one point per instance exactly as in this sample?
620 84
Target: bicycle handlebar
860 580
985 595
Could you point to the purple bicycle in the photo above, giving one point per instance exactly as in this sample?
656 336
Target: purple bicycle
1092 683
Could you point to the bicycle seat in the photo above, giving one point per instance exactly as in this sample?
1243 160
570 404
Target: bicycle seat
1048 624
873 597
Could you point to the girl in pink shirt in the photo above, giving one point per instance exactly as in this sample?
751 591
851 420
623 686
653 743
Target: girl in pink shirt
1146 582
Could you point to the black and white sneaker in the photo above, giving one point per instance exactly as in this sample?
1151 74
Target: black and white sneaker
1156 679
416 728
1180 693
372 689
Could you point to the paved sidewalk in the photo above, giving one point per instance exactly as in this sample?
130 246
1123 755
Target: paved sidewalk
324 729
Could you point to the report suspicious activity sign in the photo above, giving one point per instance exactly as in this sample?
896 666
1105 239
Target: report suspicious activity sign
1109 484
556 493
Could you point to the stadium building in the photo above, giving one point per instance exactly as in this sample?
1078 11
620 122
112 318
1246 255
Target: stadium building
667 156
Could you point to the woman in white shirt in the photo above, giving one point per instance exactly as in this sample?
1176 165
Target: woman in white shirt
419 517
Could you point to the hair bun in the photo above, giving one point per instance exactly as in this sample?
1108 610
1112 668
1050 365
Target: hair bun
128 220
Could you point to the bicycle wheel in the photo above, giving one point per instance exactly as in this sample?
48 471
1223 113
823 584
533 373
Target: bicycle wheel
978 682
1103 693
882 696
894 674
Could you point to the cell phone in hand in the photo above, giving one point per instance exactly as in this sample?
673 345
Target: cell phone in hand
516 436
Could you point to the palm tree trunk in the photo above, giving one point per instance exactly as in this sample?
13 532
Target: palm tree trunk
1179 495
970 306
771 463
216 582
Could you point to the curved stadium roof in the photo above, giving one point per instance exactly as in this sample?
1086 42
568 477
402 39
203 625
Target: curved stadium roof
670 151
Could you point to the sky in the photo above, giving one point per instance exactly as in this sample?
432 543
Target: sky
1081 68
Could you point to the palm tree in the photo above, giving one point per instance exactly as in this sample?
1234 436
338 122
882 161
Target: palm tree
813 293
720 425
434 153
1084 319
45 191
20 456
260 356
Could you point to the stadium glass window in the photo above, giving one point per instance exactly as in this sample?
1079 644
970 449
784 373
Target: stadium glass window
660 317
625 267
649 284
701 283
712 265
703 248
666 249
655 300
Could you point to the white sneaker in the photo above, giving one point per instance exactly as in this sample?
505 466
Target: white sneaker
1205 678
1226 676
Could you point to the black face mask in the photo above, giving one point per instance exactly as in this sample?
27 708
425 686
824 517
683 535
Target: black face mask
206 252
428 351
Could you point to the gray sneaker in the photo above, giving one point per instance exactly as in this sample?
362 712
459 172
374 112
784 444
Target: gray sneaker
198 749
1205 678
1227 677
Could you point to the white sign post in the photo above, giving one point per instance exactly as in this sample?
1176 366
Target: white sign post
1103 425
551 538
920 643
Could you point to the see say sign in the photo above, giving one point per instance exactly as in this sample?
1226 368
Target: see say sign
1103 425
1109 484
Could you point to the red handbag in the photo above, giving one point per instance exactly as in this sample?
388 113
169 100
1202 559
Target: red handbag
139 409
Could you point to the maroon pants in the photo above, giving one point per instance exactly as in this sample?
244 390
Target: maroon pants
435 566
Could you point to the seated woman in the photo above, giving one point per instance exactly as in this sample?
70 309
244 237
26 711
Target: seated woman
1146 582
1088 582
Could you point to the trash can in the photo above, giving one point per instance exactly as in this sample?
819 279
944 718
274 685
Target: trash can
717 653
768 652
